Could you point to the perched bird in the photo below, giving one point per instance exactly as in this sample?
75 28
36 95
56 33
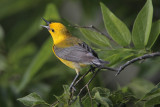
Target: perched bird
70 50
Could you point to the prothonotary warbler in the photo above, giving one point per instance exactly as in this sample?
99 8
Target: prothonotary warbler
70 50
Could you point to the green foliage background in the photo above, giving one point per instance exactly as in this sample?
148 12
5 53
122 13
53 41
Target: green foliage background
27 64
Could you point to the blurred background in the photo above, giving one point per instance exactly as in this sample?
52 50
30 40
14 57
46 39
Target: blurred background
27 63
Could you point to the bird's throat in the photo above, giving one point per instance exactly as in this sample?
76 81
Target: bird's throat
60 38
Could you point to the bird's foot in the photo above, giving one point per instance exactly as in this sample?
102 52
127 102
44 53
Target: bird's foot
92 69
72 88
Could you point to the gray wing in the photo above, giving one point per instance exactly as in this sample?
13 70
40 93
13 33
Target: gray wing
80 53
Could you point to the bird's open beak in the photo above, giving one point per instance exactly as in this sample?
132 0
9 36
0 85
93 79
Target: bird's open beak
46 27
46 21
47 24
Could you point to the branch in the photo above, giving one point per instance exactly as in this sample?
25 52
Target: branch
87 86
137 59
94 28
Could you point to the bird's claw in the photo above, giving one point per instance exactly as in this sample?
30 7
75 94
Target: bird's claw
92 69
72 88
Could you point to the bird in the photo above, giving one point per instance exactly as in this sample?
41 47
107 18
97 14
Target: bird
70 50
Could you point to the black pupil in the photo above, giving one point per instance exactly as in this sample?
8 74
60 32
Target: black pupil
52 30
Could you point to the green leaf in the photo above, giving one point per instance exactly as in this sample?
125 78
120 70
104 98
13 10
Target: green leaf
42 56
120 97
152 102
63 99
32 100
115 27
116 56
102 91
86 101
76 103
155 31
153 92
142 26
95 37
102 100
140 87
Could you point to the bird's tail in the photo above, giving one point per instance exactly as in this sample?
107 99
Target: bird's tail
99 62
103 62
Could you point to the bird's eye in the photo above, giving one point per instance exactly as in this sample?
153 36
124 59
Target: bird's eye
52 30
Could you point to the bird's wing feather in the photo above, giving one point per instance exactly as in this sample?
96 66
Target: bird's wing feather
80 53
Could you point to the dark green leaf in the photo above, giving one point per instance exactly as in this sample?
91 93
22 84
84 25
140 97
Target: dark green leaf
32 100
115 27
152 102
37 63
142 26
153 92
28 34
102 100
95 37
155 31
86 101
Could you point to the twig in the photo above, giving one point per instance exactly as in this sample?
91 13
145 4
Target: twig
82 77
137 59
87 85
72 93
90 95
94 28
108 68
53 105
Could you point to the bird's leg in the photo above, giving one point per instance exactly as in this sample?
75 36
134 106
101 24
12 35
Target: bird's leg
72 84
92 69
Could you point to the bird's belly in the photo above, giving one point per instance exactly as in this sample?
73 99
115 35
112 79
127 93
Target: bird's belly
71 64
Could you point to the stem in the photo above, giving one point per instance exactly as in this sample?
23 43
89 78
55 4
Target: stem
137 59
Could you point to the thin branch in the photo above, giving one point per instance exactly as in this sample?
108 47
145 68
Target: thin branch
72 92
94 28
53 105
137 59
87 85
82 77
90 95
108 68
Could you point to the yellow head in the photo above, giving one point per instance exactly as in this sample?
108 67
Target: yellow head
57 30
